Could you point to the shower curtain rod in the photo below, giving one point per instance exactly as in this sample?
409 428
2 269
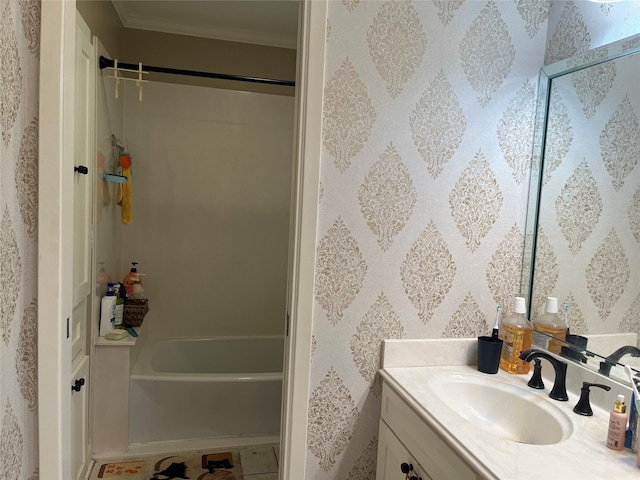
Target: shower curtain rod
108 63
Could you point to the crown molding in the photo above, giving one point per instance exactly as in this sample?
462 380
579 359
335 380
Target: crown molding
213 32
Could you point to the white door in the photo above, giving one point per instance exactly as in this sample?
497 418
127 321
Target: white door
55 242
84 178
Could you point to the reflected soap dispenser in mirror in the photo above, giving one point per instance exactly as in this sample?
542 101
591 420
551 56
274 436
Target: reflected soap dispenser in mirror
551 324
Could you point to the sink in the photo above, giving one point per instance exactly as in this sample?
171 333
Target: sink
504 410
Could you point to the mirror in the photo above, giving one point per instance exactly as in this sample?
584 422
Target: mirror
582 235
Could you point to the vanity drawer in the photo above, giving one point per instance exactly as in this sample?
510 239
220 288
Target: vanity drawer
431 452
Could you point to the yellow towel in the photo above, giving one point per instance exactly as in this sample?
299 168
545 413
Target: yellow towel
124 191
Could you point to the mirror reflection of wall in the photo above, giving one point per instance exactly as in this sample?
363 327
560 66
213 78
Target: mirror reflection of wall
589 232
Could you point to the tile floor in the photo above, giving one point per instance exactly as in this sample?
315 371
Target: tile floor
260 462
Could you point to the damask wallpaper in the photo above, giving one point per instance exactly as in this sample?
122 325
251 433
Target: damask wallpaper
427 130
426 133
19 58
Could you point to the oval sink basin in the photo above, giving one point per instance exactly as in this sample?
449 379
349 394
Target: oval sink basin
507 411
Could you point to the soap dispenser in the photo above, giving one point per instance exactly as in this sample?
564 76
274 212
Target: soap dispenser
131 278
549 329
516 333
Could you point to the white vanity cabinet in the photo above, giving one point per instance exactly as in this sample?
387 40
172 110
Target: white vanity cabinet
405 437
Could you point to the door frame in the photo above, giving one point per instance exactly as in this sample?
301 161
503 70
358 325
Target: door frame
55 234
312 29
55 243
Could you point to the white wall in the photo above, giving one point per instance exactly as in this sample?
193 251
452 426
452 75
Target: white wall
211 191
109 121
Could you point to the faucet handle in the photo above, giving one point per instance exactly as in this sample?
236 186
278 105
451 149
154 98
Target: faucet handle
536 378
583 407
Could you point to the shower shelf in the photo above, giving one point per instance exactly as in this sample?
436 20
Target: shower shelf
109 177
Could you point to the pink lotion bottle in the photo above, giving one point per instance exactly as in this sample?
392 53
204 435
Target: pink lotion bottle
617 425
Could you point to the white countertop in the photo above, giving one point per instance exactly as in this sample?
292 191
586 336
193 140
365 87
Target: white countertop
583 455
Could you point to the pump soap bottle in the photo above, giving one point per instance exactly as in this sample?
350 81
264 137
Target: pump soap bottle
131 278
617 425
516 332
549 326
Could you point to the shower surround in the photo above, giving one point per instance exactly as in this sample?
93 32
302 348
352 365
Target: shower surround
211 193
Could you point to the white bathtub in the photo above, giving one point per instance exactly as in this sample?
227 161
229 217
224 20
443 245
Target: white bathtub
190 388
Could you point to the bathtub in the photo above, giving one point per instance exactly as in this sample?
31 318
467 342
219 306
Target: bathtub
191 388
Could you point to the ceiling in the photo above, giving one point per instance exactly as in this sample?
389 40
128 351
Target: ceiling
264 22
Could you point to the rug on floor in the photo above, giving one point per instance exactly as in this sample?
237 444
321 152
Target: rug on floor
201 465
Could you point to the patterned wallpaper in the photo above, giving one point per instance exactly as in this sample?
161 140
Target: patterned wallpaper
427 128
590 227
19 58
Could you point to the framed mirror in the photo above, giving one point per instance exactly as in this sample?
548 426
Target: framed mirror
582 237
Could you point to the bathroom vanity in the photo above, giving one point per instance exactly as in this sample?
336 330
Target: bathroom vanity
445 419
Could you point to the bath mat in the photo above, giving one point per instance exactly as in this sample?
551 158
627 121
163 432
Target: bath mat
219 464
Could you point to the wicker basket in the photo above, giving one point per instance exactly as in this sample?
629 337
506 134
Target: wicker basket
134 311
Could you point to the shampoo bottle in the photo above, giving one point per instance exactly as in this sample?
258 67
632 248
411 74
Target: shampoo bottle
550 326
516 332
107 311
119 308
617 425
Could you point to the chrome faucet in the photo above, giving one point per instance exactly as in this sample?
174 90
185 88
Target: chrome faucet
611 360
559 390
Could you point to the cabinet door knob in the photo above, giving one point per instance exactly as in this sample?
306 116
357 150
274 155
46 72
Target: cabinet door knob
406 467
81 169
77 386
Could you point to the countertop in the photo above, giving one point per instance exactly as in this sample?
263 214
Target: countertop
583 455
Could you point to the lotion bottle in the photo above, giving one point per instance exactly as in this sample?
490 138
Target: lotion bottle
107 311
516 332
617 425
